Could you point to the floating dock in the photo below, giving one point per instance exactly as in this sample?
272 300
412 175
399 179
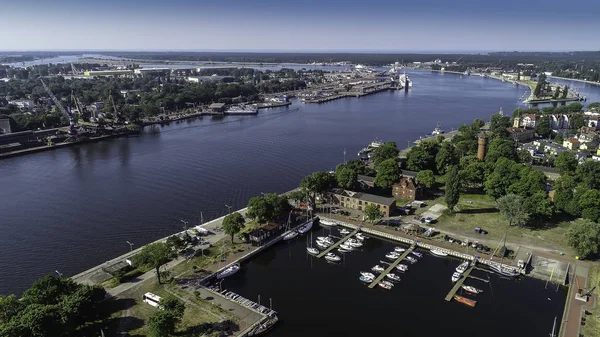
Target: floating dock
335 245
459 283
392 266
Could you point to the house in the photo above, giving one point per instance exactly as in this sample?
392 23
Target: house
520 134
571 143
592 121
529 121
359 200
22 103
366 180
549 148
586 134
217 107
5 126
407 189
581 157
589 146
265 232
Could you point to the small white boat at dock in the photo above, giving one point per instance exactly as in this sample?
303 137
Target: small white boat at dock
344 231
399 249
456 277
463 267
377 268
393 277
332 257
392 255
438 252
234 268
402 267
313 251
290 235
471 289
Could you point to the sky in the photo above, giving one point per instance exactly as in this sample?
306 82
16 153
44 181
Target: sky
300 25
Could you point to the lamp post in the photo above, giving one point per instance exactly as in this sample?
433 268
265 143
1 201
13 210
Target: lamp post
130 246
185 224
228 208
59 273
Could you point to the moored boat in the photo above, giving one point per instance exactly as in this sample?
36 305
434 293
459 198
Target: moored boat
325 239
346 247
354 244
417 254
312 250
234 268
324 222
402 267
472 289
332 257
392 255
344 231
399 249
305 227
410 259
290 235
361 236
393 277
366 279
438 252
323 244
367 274
463 267
377 268
456 276
386 285
465 300
504 270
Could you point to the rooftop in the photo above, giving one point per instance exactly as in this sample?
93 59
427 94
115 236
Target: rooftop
364 196
216 105
366 178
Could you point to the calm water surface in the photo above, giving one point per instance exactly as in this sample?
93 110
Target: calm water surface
74 208
317 298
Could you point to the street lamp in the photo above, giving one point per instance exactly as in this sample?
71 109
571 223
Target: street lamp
59 273
130 246
185 224
228 208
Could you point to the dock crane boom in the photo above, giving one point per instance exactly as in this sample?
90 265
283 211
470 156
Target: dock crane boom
67 112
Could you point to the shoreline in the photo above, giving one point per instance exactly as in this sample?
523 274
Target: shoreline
576 80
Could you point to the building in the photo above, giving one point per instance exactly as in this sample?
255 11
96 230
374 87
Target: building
5 126
548 147
481 145
559 122
520 134
266 232
589 146
359 200
571 143
95 73
366 181
126 93
217 107
407 188
529 121
201 79
23 103
587 134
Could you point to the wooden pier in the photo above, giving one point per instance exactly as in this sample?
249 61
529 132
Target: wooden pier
459 283
335 245
392 266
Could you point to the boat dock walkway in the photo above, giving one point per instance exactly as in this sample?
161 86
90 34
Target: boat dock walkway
459 283
335 245
392 266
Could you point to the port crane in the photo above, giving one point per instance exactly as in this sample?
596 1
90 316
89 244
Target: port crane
67 112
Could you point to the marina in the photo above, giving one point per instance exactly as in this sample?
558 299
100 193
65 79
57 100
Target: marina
337 244
459 283
391 267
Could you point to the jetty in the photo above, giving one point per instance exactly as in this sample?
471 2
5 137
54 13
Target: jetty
459 283
335 245
391 266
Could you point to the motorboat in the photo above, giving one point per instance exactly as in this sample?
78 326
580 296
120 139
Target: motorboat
456 276
402 267
399 249
290 235
377 268
366 279
305 227
438 252
367 274
464 300
324 222
375 144
323 244
332 257
417 254
392 255
361 236
344 231
410 259
234 268
313 251
471 289
504 270
463 267
325 239
354 244
343 251
437 131
393 277
386 285
346 247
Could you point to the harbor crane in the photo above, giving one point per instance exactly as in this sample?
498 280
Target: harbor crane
67 112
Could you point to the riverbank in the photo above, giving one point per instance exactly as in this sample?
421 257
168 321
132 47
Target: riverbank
576 80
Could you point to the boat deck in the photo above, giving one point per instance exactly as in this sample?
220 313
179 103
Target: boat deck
392 266
459 283
335 245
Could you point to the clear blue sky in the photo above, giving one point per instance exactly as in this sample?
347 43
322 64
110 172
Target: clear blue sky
311 25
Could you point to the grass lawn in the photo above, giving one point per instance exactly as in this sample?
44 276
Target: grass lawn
475 210
592 322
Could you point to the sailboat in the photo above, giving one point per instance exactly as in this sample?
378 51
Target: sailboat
553 333
501 268
311 249
291 234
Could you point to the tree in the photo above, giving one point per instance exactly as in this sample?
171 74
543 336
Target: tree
513 209
589 174
584 237
530 182
500 148
565 91
575 107
594 106
389 150
175 242
589 203
173 305
566 162
373 213
539 205
153 255
233 224
162 323
548 110
524 156
259 208
317 183
498 124
577 121
504 174
346 177
556 92
472 172
298 195
559 139
10 306
278 205
418 159
388 173
426 178
564 188
452 192
47 290
446 157
543 128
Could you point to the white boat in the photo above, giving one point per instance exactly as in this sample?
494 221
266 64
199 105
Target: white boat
346 247
324 222
463 267
312 250
392 255
403 79
323 244
375 144
417 254
471 289
290 235
393 277
241 110
305 227
504 270
438 130
366 279
344 231
456 277
367 274
234 268
438 252
361 236
410 259
343 251
402 267
399 249
325 239
386 285
332 257
377 268
354 244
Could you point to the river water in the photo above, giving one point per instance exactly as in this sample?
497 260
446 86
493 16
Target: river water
74 208
317 298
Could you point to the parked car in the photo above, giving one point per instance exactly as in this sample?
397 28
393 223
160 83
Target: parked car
429 220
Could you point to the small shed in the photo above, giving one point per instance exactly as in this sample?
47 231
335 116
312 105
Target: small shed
217 107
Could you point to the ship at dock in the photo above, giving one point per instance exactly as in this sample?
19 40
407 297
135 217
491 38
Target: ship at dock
242 110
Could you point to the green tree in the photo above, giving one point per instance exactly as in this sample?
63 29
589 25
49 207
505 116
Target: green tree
162 323
565 92
452 191
589 174
539 206
589 203
584 237
173 305
543 128
153 255
175 242
418 159
575 107
500 148
298 195
499 180
373 213
233 224
566 162
513 209
317 183
524 156
446 157
472 172
346 177
10 306
259 208
556 92
498 124
279 205
47 290
426 178
559 139
388 173
594 106
389 150
548 110
564 194
530 182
